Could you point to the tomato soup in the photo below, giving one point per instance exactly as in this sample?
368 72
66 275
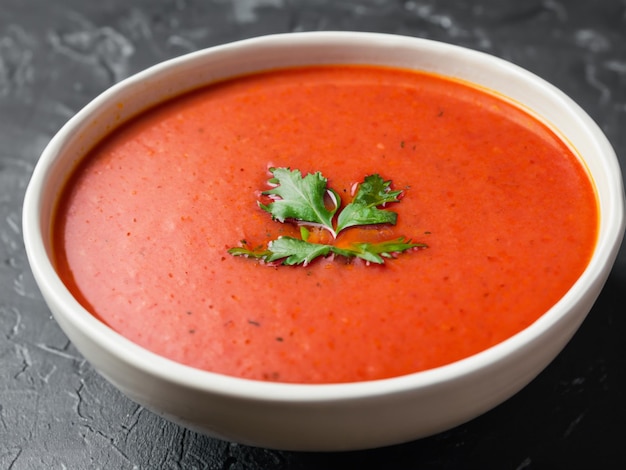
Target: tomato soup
507 211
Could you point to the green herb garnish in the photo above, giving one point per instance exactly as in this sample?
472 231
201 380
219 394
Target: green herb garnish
309 202
363 210
301 199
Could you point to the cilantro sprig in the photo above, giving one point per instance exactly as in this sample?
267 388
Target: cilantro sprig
309 202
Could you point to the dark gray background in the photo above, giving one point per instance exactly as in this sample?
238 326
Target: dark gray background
55 56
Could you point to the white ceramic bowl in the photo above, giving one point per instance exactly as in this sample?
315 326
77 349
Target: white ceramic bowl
339 416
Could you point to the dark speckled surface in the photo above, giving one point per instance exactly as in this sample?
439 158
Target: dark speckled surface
55 56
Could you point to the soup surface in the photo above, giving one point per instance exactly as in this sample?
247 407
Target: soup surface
143 228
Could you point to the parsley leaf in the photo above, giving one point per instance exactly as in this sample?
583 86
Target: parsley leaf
301 199
376 252
308 201
363 210
291 251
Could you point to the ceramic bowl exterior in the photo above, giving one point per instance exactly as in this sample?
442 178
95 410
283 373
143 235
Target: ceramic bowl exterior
322 417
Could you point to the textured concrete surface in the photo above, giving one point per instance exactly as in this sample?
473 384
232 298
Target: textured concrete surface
55 56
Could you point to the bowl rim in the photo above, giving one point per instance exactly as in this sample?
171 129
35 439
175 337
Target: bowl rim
206 381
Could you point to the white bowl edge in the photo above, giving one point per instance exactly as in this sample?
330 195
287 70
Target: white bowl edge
91 335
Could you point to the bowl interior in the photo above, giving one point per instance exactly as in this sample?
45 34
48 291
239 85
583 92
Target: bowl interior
174 77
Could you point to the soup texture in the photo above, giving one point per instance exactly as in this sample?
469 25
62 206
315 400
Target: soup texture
506 209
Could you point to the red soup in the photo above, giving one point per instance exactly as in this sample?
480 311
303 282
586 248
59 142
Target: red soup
144 227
